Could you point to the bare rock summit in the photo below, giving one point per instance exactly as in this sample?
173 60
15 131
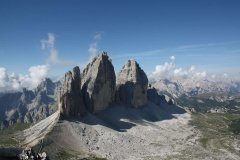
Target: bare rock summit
99 83
70 97
132 84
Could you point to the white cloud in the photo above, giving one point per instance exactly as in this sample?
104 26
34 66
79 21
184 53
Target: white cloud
13 82
98 36
53 56
188 72
173 58
169 70
225 75
201 74
35 76
192 68
48 43
181 72
165 69
3 77
93 47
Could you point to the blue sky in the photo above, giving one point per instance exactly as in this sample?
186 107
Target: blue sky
203 33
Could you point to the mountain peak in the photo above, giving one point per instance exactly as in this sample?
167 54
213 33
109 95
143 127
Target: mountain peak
132 84
132 72
99 79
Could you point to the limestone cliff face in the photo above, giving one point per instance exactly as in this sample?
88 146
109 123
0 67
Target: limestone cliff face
132 84
99 83
70 97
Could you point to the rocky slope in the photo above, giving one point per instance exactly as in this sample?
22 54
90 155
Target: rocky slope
119 132
149 132
29 106
132 84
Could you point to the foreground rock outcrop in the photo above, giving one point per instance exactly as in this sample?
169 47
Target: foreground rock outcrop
99 83
132 84
70 97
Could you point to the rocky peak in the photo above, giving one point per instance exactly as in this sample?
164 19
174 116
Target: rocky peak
99 83
47 86
70 97
132 84
132 72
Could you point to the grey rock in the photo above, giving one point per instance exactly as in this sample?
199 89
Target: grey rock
70 96
153 95
99 83
29 106
132 84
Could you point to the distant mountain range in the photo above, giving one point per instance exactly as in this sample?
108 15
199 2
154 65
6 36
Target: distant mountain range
203 95
29 106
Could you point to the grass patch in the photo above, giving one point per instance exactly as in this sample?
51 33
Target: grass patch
63 155
204 141
235 126
218 130
6 135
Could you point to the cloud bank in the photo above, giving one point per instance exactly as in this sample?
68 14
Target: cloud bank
170 71
12 82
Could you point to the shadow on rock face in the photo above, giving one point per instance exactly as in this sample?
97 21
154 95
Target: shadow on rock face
121 118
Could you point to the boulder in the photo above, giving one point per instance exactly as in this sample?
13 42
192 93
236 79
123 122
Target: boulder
70 97
132 84
99 83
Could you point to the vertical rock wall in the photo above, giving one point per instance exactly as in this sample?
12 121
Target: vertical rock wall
70 96
99 83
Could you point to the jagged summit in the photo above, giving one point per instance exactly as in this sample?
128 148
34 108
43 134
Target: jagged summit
47 85
99 83
132 84
95 89
132 72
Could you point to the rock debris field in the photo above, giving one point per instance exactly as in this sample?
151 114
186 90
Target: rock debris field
150 133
